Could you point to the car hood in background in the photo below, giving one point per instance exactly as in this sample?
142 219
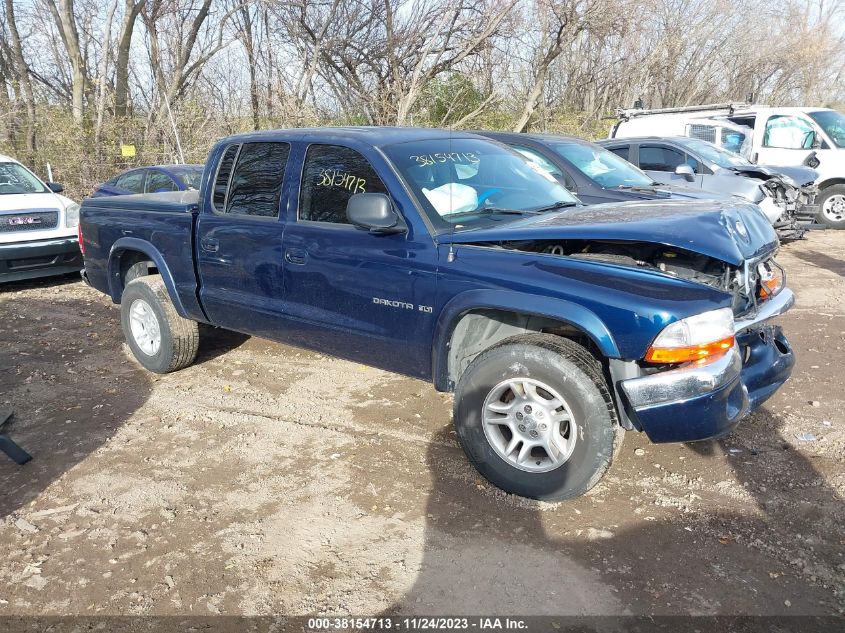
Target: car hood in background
26 201
795 176
729 231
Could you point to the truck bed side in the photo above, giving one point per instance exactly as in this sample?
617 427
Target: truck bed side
119 231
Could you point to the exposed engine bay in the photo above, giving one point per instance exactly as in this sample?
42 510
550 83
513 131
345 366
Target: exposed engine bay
745 285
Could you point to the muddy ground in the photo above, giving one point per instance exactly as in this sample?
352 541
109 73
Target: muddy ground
269 479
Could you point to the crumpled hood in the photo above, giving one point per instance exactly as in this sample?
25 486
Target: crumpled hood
795 176
725 230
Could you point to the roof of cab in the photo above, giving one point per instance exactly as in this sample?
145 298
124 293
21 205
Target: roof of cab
539 138
7 159
371 135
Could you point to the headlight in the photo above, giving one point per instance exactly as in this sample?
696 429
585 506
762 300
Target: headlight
703 336
771 280
72 216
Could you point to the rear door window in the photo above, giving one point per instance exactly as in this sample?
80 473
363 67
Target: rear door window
622 151
221 181
331 175
158 181
256 184
133 181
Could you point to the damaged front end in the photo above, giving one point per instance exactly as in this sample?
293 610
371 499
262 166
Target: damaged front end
733 360
684 399
788 200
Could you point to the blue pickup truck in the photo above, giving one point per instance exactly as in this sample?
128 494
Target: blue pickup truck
448 257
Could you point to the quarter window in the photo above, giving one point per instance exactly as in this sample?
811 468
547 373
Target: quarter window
331 175
256 185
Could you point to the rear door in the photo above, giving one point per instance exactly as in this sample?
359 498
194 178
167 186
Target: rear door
239 239
355 294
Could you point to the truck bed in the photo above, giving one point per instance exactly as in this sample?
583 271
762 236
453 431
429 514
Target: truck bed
165 220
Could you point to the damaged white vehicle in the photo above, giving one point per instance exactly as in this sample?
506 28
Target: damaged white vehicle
786 195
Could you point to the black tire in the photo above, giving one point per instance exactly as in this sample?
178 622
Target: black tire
179 337
824 195
577 377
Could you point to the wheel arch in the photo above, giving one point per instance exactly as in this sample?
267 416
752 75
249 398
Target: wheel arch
830 182
127 251
476 320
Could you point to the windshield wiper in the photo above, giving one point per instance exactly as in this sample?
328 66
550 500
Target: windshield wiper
554 207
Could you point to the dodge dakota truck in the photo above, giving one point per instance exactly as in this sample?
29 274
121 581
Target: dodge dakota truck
448 257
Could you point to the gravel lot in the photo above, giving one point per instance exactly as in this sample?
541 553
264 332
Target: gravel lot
268 479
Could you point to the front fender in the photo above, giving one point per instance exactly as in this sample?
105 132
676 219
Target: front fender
142 246
557 309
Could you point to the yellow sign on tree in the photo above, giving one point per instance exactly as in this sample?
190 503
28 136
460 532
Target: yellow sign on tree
127 151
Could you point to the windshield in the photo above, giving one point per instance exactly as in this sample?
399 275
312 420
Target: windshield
468 183
15 178
602 166
191 176
833 124
709 152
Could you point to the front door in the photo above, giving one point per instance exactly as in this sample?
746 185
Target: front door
355 294
787 140
239 239
660 162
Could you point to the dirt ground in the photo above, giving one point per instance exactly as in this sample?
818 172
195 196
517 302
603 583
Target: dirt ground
268 479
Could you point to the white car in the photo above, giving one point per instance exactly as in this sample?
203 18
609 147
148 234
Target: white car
38 227
806 136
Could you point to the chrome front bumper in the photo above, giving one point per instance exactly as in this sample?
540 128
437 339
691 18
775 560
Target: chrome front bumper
683 383
700 401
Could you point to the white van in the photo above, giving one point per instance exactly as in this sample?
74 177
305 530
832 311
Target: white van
38 227
764 135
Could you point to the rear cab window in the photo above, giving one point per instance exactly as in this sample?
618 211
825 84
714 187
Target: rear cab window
331 175
249 179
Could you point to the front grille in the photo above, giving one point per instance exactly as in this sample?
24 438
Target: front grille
37 220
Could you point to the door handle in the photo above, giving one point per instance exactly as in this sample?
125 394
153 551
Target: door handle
295 256
209 244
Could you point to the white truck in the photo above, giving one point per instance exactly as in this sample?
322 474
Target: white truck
788 136
38 227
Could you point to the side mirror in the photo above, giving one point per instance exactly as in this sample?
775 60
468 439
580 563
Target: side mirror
374 212
55 187
686 171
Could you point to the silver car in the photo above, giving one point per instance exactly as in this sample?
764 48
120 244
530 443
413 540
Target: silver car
785 194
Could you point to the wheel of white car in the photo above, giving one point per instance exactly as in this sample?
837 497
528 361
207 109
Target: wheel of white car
535 417
160 339
831 203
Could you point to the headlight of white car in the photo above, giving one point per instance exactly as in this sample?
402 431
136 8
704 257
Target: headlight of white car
72 216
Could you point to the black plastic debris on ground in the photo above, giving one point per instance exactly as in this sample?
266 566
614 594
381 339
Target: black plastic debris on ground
8 445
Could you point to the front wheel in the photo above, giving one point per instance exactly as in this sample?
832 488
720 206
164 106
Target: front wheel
831 203
535 417
160 339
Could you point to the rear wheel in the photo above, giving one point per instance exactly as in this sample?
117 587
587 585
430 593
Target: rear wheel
535 417
831 203
160 339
